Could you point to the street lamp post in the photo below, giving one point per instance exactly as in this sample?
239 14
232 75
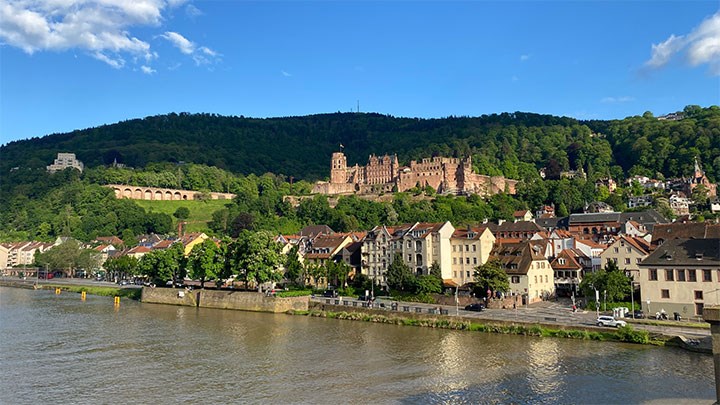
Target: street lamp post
605 300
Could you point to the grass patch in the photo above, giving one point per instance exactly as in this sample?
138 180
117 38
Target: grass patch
295 293
131 293
199 211
626 334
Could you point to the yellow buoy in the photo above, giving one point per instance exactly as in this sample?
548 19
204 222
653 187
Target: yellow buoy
117 300
57 291
83 295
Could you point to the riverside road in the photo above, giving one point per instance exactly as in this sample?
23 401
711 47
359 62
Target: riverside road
545 312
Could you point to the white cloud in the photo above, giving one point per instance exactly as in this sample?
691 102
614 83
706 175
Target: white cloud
201 55
616 100
147 70
101 28
183 44
192 11
523 58
284 73
700 46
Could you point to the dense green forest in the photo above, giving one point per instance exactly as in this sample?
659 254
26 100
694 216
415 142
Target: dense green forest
513 144
263 160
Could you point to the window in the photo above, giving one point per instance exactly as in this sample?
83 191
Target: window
669 275
454 248
616 250
474 260
535 279
699 308
627 260
515 279
615 260
638 260
665 294
409 258
467 273
454 274
698 295
707 275
467 248
474 248
467 260
692 276
681 275
546 279
454 260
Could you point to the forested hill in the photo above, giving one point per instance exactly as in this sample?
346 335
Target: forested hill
513 144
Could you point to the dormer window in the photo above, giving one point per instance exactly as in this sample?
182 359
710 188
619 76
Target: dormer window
698 256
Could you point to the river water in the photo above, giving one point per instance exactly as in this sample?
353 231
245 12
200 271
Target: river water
58 349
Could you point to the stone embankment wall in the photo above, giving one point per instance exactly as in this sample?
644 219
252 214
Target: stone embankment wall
240 300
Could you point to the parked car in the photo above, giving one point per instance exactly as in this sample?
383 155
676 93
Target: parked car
475 307
638 314
604 320
330 293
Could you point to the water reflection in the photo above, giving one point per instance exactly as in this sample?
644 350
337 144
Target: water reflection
59 349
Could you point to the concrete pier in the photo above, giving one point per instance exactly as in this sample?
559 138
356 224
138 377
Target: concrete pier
712 316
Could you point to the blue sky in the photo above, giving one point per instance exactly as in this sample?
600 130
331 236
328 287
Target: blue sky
73 64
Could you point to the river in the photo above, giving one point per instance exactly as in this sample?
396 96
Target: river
59 349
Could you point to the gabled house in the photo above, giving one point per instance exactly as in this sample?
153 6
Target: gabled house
626 252
189 240
471 248
421 244
138 251
522 215
681 276
569 267
529 273
377 253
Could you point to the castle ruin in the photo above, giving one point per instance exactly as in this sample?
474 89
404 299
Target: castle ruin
385 175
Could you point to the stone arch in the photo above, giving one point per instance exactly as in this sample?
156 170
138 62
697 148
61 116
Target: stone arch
158 195
185 197
168 195
118 192
137 194
127 193
148 195
176 196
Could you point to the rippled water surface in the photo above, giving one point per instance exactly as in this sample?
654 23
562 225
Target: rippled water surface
58 349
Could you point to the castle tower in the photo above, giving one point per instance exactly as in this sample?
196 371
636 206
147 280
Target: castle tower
338 172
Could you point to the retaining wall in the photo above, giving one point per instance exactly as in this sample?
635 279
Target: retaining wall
239 300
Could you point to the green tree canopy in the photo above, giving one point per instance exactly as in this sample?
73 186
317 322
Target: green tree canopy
490 276
206 262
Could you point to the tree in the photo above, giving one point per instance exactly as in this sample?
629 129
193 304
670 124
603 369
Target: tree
435 270
491 276
205 262
122 266
427 284
68 256
256 257
610 279
294 270
163 266
182 213
399 275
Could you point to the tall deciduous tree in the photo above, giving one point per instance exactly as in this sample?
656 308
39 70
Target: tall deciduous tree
121 266
68 256
206 262
399 275
256 257
491 276
294 270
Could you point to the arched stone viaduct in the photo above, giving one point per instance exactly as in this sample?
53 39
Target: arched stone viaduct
161 194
